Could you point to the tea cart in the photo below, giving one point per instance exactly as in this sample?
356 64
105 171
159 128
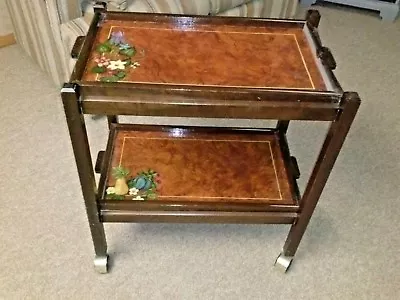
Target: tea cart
204 67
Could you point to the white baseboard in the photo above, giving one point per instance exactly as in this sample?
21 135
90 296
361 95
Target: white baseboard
388 11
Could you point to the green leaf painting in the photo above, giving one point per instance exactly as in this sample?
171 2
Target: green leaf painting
114 59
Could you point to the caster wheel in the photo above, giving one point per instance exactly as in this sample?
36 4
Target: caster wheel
101 264
283 262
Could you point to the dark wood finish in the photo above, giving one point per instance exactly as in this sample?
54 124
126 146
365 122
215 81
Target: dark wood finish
295 167
107 163
291 174
184 20
320 174
313 17
173 80
99 162
160 105
198 217
85 51
251 56
100 6
78 45
146 92
112 119
282 126
206 164
80 145
109 89
122 208
327 58
118 205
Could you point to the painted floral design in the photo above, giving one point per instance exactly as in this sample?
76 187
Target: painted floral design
110 190
102 61
117 65
143 186
115 58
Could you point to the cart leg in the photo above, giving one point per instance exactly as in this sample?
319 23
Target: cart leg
282 126
80 145
313 17
326 159
112 119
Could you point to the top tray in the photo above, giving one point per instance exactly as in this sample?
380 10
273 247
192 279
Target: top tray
203 51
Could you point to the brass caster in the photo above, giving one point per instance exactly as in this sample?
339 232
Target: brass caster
101 264
283 262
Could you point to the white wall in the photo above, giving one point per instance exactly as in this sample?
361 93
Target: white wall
5 21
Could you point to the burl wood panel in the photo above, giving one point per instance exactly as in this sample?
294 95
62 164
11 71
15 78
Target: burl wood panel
186 53
198 166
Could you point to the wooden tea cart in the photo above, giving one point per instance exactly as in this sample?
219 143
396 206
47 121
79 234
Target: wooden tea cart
203 67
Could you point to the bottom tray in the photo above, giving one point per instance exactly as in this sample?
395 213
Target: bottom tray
200 169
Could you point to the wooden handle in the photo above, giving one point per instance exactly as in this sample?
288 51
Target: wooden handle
100 6
76 49
295 167
313 17
327 58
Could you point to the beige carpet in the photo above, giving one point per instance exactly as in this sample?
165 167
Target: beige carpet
351 248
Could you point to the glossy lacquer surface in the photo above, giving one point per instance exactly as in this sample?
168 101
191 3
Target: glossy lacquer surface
205 166
187 53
